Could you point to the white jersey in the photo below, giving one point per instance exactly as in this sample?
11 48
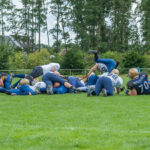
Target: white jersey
38 84
116 80
47 68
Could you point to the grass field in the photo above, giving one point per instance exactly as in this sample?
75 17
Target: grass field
74 122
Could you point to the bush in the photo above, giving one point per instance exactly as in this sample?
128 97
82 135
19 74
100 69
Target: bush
133 59
18 61
112 55
5 51
74 59
38 58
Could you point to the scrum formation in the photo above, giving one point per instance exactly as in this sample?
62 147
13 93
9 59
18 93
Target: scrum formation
53 82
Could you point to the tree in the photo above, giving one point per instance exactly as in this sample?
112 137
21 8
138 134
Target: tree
5 11
145 21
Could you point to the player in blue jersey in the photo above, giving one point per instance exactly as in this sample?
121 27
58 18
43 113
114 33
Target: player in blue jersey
138 85
109 63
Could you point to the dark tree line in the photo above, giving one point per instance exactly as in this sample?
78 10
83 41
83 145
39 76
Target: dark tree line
97 24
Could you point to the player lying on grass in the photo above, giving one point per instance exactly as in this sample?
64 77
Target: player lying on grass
5 82
42 70
51 79
23 89
139 83
103 65
106 84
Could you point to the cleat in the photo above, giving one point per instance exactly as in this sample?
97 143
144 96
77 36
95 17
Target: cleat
104 92
13 94
89 91
37 90
75 89
92 52
122 89
49 89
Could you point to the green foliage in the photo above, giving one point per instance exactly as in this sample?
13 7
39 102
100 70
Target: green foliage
147 61
38 58
133 59
4 56
18 61
74 59
113 55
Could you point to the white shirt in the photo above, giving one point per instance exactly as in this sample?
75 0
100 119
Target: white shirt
47 68
116 80
38 84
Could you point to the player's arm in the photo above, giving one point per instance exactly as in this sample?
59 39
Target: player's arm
92 69
118 90
132 93
58 74
1 83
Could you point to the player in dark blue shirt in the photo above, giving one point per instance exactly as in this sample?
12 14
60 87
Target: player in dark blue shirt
139 83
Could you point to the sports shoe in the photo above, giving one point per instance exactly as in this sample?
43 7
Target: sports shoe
122 89
37 90
75 89
89 91
49 90
92 52
104 92
13 94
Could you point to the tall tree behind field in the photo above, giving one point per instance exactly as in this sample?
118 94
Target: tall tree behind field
55 6
5 10
89 23
121 14
41 20
23 23
145 21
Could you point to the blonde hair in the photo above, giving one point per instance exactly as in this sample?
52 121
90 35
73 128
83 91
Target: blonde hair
133 72
24 81
115 71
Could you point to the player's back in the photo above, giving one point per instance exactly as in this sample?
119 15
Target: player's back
140 84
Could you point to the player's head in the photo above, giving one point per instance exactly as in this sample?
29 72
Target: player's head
115 71
53 68
3 76
133 72
24 82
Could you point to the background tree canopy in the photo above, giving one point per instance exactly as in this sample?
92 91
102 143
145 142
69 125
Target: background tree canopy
115 26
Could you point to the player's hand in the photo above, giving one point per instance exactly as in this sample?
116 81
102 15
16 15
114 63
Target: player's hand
85 78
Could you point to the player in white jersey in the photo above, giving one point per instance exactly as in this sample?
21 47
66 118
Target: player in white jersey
41 70
106 84
116 80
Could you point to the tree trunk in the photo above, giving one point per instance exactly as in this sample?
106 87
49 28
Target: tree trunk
99 34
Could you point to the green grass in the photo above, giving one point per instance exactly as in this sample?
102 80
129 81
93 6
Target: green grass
74 122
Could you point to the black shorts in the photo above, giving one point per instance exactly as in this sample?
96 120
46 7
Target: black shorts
36 72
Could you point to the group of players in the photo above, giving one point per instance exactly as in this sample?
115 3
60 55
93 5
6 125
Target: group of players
53 82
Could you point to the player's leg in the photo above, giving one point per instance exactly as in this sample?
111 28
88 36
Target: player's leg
98 88
49 84
2 90
36 72
108 87
13 91
7 83
92 80
26 90
60 90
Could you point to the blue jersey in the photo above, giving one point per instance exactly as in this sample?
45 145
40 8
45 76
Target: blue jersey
140 84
